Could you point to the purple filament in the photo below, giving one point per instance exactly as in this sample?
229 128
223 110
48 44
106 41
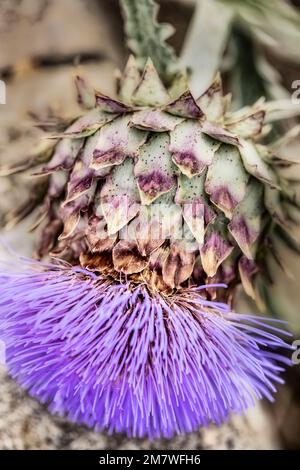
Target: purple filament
119 357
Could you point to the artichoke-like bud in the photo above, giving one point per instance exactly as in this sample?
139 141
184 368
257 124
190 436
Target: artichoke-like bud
160 174
150 202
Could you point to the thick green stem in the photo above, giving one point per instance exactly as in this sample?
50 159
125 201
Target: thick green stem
147 38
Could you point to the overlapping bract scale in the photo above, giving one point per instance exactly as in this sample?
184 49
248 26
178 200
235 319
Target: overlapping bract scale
159 159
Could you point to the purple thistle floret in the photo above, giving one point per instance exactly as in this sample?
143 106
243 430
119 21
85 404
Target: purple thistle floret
119 357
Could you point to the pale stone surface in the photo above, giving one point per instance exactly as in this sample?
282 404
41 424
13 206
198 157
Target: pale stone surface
31 28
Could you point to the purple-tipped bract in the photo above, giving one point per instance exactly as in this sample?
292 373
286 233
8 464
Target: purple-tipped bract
117 356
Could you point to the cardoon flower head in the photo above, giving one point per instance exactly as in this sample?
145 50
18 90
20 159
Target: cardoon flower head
161 186
149 201
121 357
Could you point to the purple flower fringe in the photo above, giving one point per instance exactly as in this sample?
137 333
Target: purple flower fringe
115 356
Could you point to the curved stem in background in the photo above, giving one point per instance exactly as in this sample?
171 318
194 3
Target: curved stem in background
205 43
